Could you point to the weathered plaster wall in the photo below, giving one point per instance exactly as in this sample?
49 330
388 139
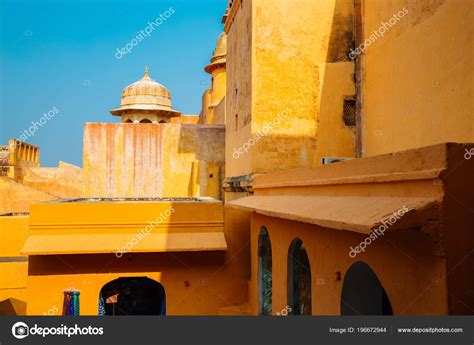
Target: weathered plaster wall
392 258
65 181
16 197
152 160
186 119
239 89
302 69
219 113
418 77
295 77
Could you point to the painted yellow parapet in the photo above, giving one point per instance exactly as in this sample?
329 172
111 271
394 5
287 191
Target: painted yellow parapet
177 242
109 225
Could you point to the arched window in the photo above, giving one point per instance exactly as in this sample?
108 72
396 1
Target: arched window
362 292
132 296
128 121
299 279
162 121
264 273
145 121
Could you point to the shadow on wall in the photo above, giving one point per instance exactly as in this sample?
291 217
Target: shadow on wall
12 307
337 107
207 144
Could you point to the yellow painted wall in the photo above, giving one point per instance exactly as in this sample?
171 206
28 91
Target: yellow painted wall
219 113
419 77
151 160
217 279
65 181
213 283
438 172
13 266
239 89
16 197
328 253
217 93
295 77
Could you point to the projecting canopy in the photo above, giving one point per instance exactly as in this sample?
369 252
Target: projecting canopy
354 213
99 243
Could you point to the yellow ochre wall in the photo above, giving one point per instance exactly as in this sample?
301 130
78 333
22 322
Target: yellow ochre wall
212 283
217 93
328 254
288 69
152 160
17 197
239 89
196 283
419 76
65 181
13 266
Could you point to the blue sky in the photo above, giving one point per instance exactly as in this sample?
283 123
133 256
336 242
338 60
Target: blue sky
62 54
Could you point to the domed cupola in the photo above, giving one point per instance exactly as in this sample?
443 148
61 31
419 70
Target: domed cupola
145 101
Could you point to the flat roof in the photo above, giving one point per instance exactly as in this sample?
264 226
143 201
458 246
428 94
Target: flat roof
128 200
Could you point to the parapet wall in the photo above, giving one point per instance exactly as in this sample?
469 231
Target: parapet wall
152 160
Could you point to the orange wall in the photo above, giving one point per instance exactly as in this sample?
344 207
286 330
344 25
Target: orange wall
403 262
419 76
212 284
13 273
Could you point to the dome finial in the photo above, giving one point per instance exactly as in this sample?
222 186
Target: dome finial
146 76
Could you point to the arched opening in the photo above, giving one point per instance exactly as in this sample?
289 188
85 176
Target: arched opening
362 292
128 121
299 279
264 273
162 121
145 121
132 296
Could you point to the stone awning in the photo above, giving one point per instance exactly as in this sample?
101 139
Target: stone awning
353 213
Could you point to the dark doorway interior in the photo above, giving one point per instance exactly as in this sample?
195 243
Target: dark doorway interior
132 296
362 292
264 273
299 279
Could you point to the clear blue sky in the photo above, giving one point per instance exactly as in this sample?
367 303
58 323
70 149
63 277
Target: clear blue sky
62 54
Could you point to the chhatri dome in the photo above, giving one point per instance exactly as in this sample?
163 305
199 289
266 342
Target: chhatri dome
218 59
145 101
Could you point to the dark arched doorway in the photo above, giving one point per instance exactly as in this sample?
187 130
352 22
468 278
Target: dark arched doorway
145 121
264 273
362 292
299 279
132 296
